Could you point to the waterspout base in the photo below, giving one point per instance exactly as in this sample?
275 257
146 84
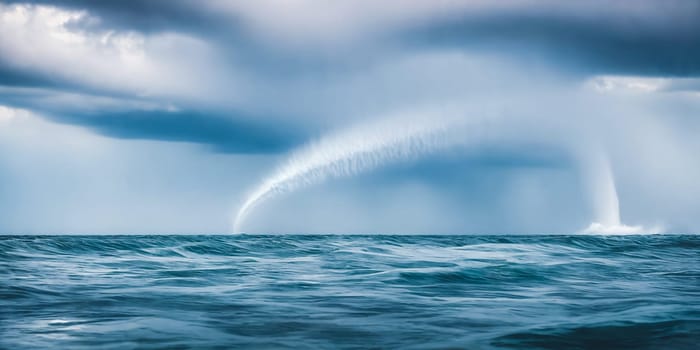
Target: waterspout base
619 229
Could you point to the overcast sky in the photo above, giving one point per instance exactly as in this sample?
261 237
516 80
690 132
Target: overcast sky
163 116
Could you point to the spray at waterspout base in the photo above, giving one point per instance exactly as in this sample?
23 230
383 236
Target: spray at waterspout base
619 229
606 204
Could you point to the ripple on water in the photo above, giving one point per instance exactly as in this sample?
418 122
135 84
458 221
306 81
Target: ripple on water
486 292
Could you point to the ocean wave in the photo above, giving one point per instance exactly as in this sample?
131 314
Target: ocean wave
326 291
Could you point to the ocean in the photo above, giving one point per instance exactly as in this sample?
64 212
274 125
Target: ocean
350 292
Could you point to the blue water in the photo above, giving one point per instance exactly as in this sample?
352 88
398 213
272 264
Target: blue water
328 292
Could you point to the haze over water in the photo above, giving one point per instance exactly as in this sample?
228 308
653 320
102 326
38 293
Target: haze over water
315 291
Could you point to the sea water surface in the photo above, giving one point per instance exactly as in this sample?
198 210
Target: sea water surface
328 292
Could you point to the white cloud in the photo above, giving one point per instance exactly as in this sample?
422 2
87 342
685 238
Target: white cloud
311 22
9 115
66 45
612 83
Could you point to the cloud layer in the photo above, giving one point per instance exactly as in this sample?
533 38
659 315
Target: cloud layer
548 82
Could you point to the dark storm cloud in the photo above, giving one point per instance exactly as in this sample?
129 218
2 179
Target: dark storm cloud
233 132
13 77
221 132
593 42
578 36
667 45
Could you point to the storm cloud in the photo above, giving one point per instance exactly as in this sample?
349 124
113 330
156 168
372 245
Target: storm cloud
260 80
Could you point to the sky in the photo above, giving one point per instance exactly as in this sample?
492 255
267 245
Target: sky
307 116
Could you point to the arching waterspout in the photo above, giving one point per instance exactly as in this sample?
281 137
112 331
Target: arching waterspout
360 149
